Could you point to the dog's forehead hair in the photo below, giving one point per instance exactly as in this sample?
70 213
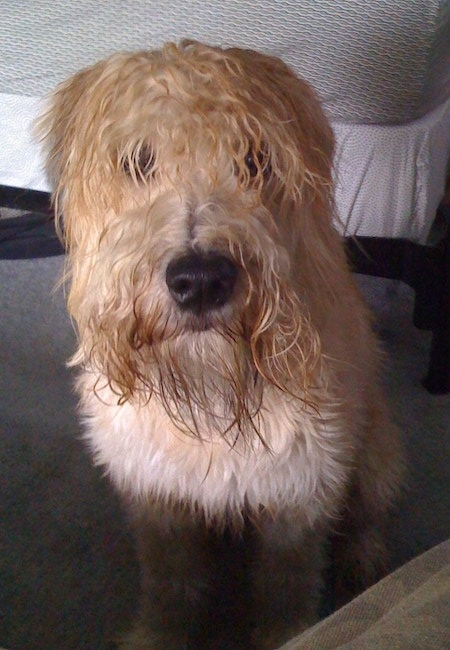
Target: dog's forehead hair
176 102
190 85
183 99
195 77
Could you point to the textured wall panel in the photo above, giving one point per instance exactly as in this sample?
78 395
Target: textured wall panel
370 61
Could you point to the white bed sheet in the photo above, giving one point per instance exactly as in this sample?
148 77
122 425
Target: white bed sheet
390 179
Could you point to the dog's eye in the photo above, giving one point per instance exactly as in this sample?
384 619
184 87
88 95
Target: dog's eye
251 164
256 163
140 163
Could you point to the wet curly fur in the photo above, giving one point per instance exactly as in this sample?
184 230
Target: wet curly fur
229 375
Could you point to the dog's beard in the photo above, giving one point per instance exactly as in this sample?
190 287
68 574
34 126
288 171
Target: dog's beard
211 381
208 384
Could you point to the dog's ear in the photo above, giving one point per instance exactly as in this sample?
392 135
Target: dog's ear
57 129
59 125
302 148
299 128
71 130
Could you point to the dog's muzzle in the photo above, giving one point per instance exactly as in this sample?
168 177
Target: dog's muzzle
200 283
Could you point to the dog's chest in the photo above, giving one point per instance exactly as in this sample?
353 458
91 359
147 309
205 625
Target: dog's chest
145 455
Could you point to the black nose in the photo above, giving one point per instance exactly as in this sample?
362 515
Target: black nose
201 282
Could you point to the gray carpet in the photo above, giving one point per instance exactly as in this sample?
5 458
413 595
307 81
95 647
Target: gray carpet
67 573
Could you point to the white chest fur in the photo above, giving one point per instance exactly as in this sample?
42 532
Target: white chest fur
144 454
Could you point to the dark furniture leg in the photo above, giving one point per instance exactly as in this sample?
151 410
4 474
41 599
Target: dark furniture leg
427 270
438 379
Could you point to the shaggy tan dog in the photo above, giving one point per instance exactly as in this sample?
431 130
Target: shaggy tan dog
229 380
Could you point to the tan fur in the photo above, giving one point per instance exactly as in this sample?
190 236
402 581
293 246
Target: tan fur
262 420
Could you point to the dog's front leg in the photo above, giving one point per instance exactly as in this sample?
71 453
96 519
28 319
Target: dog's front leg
287 580
176 568
191 596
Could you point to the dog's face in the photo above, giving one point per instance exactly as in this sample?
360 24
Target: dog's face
195 188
